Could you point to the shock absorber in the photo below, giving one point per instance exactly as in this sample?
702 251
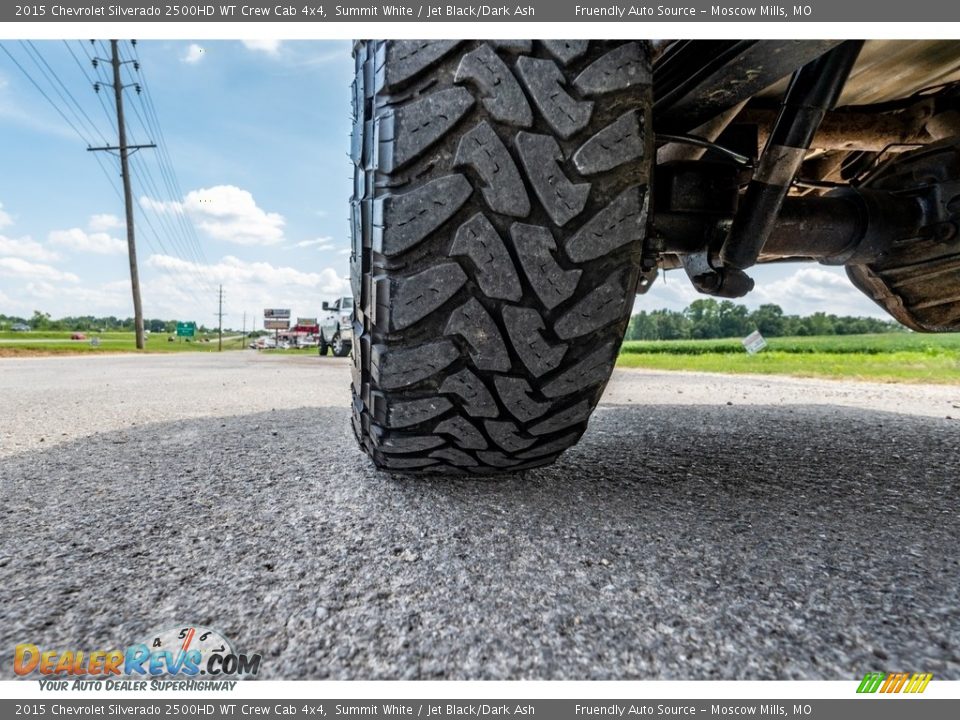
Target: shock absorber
814 89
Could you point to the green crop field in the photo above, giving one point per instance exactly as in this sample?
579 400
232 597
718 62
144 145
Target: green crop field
13 344
888 357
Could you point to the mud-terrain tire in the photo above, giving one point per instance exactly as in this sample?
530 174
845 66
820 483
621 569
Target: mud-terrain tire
499 209
339 347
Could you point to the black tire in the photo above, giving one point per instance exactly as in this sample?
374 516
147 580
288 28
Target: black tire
340 348
498 216
322 347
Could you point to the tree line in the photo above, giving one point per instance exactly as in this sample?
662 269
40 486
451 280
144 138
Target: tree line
708 318
702 319
88 323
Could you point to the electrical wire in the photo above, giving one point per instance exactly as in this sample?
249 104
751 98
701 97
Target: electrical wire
66 95
704 143
170 172
53 79
94 84
45 96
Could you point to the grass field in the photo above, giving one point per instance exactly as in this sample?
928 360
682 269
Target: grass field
14 344
890 357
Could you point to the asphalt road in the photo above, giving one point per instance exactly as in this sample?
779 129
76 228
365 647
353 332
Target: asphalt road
706 527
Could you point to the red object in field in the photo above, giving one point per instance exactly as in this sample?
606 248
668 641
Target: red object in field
78 336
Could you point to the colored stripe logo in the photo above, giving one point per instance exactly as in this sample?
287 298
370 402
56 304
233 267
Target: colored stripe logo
894 682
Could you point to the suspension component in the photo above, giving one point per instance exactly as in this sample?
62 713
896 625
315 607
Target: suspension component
814 90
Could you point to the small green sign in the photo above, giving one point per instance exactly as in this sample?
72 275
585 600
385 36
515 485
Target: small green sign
186 329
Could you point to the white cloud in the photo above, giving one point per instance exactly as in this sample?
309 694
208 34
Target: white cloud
270 47
234 271
110 299
61 299
804 291
344 251
193 55
161 206
248 286
23 270
226 212
671 290
98 243
26 248
5 219
104 221
816 289
320 243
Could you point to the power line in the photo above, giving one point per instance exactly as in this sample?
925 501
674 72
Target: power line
110 179
82 119
83 137
169 179
152 232
103 48
93 83
60 112
66 95
179 226
170 174
141 170
45 96
163 268
173 228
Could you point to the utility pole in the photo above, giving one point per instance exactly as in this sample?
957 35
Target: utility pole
220 322
127 195
127 192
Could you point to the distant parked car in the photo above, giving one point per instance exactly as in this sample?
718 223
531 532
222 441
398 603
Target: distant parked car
78 336
20 327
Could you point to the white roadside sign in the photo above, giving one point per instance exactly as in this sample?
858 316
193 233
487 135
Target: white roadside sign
754 342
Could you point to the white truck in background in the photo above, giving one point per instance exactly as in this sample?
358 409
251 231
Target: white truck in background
336 327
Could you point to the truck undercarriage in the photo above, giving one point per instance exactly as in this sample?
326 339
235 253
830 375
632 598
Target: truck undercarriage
745 177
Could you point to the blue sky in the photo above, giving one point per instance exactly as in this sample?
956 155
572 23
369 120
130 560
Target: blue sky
257 133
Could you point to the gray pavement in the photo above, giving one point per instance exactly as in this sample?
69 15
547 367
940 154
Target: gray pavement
706 527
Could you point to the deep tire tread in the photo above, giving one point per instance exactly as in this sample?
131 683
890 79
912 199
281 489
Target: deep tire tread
498 217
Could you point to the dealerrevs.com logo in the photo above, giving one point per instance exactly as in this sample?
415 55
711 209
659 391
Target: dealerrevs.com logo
185 651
